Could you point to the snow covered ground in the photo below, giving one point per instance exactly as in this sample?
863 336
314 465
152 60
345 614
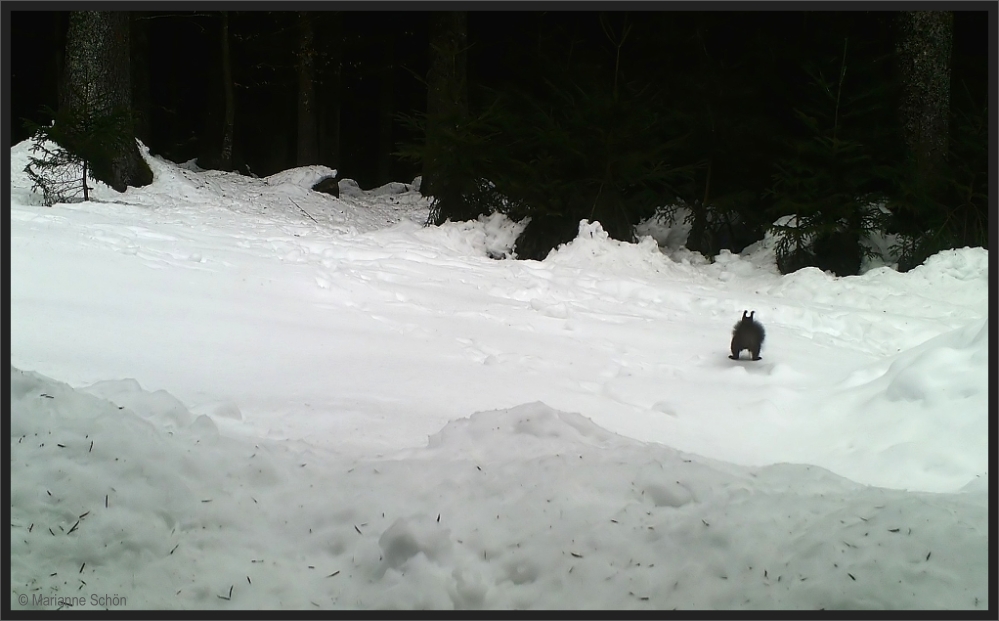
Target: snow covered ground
235 393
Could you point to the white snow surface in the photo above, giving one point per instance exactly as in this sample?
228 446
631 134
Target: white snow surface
235 393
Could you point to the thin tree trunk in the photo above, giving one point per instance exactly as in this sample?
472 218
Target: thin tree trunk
386 107
141 98
447 86
98 80
924 49
329 119
59 57
308 139
228 125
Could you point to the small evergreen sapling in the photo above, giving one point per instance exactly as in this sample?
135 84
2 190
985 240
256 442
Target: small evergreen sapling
73 150
60 174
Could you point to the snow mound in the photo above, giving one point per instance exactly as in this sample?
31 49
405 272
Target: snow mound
490 235
959 264
499 234
407 537
303 176
91 469
104 501
524 431
670 234
349 187
394 188
593 249
190 193
918 414
952 367
159 407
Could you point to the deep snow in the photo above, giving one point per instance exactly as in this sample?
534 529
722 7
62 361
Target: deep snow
257 396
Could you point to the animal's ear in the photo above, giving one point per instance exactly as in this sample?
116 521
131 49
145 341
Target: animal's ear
744 314
751 314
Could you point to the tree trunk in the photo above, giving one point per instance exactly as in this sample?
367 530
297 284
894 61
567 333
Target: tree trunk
229 123
97 81
924 49
329 120
308 139
141 98
386 107
447 86
59 55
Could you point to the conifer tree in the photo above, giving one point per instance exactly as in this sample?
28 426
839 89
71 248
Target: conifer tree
447 107
830 178
97 86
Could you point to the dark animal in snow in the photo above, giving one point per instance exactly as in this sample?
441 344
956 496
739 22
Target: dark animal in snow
747 334
328 185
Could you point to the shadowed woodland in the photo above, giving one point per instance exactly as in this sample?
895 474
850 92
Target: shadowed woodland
820 128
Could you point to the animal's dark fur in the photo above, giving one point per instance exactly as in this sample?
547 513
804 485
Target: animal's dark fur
747 334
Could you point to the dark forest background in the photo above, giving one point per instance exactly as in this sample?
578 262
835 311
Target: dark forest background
742 116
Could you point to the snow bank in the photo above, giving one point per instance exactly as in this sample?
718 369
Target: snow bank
522 508
920 414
